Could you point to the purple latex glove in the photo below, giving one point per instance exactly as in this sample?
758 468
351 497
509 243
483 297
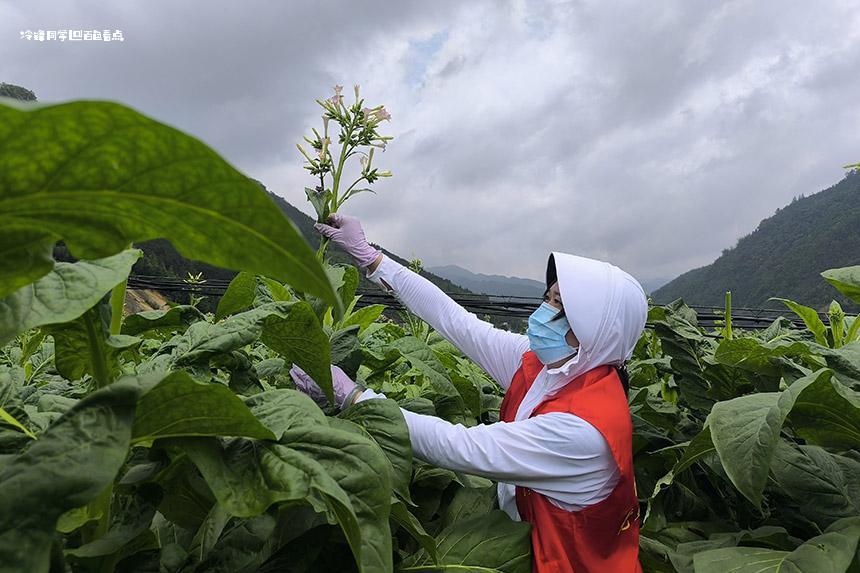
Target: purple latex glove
346 232
345 390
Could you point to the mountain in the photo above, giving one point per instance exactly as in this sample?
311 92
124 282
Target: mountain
784 256
490 284
16 92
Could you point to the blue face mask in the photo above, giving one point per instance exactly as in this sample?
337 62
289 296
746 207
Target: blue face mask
546 336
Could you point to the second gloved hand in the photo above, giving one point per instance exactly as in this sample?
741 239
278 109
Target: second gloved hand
347 233
345 389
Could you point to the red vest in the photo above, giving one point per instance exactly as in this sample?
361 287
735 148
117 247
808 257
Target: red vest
601 538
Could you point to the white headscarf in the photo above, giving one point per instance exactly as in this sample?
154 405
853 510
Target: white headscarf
606 309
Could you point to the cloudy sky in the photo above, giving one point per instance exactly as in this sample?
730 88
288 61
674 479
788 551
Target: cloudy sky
649 134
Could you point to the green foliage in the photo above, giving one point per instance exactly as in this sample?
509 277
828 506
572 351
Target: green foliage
846 280
220 461
66 467
741 482
77 171
63 294
463 547
832 551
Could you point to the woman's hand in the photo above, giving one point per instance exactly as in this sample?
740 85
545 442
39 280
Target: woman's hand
347 233
345 390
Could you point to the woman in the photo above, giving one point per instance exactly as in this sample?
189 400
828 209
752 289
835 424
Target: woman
562 452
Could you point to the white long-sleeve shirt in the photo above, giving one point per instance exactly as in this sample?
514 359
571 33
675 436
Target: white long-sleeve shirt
557 454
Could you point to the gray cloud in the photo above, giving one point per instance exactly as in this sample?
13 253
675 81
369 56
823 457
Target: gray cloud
650 135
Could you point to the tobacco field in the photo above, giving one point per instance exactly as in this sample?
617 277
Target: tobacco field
175 441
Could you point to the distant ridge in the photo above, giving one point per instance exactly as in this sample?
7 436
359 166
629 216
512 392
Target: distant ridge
489 284
784 256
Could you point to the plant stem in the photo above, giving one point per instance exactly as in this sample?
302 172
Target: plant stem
728 315
338 171
100 505
101 376
117 301
321 250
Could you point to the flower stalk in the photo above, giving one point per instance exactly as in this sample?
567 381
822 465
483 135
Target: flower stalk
357 134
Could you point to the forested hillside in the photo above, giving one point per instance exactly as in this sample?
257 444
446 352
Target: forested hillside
784 256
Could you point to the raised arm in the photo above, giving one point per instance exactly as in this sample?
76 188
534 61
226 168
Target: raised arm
495 350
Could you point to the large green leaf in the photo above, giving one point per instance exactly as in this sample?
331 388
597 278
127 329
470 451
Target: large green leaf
831 552
67 467
179 406
758 356
484 544
331 469
469 502
350 284
203 340
810 318
421 357
289 328
208 533
64 294
102 176
844 361
768 536
239 296
384 421
244 547
360 468
401 515
247 477
825 486
84 346
346 350
363 317
300 339
846 280
468 385
826 412
281 409
745 432
173 319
